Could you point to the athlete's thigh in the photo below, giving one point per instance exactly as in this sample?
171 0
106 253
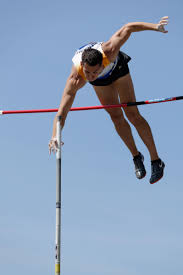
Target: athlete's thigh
108 95
125 88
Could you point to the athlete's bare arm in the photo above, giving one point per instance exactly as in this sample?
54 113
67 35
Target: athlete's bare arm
73 84
112 46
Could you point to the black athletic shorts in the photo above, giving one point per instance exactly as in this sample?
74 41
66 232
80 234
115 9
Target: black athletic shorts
120 70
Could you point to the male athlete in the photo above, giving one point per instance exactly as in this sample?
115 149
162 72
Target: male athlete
105 67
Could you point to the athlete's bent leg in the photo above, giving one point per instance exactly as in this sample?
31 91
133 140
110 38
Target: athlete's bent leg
126 93
107 95
125 88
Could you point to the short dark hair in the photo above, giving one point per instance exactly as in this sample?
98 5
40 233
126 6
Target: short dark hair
92 57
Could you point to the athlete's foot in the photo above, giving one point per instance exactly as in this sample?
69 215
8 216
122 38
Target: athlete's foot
140 170
157 169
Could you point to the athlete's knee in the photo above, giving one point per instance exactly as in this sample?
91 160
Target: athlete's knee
117 118
134 117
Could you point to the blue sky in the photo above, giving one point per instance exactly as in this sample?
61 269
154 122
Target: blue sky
112 224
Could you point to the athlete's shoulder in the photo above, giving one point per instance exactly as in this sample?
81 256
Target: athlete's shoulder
76 78
109 50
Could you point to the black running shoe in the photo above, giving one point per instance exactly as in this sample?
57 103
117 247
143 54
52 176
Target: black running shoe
157 169
140 170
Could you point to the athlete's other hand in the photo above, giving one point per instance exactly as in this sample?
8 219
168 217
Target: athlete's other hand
162 23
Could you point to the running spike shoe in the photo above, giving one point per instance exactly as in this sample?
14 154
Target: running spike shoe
157 169
140 170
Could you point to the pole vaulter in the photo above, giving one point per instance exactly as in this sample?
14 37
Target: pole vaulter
105 67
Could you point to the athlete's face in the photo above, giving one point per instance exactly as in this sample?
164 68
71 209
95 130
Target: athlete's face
92 72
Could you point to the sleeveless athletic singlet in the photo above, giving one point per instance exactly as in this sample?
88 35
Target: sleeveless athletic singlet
112 70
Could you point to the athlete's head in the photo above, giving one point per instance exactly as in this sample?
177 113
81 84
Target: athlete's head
92 63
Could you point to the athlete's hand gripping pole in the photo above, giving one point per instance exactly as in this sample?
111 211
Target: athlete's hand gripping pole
54 142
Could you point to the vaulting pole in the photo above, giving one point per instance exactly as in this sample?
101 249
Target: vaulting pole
58 201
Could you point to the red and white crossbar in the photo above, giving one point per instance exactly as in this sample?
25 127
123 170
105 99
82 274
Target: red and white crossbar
95 107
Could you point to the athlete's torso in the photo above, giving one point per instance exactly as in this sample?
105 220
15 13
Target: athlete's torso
108 66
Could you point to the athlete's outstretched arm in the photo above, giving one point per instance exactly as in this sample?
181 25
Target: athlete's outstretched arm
73 84
113 45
